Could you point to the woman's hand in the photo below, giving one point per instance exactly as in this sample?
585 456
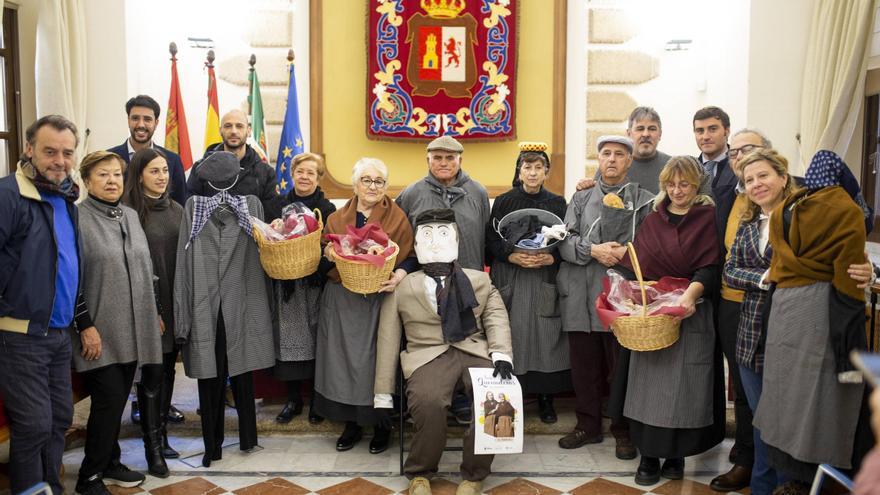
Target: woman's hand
328 248
161 326
390 284
520 259
543 259
688 303
91 343
861 273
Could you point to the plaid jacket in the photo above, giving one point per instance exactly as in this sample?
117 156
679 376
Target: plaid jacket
743 270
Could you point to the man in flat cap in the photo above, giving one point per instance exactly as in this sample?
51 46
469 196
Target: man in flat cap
600 221
448 186
453 319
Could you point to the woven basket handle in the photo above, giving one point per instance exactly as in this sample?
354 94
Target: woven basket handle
631 250
318 215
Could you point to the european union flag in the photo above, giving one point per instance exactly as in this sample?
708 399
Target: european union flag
291 143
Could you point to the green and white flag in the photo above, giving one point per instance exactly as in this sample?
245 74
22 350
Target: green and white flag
257 139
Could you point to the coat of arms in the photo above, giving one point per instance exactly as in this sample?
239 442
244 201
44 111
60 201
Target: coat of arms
441 67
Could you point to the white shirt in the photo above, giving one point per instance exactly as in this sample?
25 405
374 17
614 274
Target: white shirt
763 239
131 150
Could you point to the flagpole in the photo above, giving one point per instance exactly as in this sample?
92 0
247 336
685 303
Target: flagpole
172 47
210 59
252 61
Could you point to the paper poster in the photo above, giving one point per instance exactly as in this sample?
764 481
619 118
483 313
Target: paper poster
498 409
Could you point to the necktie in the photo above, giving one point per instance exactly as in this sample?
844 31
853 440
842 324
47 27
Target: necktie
709 166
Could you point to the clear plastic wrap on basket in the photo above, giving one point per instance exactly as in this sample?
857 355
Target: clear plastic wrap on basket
625 296
296 221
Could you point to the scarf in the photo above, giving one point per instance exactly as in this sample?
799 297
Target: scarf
386 213
67 189
451 193
668 250
455 301
827 169
203 208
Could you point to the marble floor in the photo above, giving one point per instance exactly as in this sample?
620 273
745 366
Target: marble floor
309 463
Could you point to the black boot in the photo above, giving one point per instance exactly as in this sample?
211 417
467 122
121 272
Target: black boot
165 405
545 404
149 401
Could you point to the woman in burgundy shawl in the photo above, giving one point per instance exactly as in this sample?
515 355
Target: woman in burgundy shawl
673 398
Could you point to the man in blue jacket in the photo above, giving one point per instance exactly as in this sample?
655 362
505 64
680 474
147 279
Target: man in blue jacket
40 275
143 114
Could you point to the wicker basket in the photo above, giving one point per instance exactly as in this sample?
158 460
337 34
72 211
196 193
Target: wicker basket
362 277
644 333
292 258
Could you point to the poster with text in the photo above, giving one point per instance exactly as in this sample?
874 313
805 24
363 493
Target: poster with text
498 409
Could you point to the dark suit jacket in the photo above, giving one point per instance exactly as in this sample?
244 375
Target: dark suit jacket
177 177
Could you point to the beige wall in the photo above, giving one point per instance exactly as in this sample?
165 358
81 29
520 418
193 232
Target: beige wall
777 51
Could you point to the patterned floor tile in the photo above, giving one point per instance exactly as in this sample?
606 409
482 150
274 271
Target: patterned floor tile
355 485
119 490
521 486
274 486
684 487
192 486
601 486
440 486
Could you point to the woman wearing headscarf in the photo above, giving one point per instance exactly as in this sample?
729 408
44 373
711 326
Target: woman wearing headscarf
674 397
767 183
527 283
504 415
119 327
489 406
345 360
297 301
816 317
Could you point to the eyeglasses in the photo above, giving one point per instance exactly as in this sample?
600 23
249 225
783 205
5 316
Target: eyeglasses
367 182
734 152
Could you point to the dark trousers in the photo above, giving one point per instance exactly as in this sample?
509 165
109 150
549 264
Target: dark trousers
37 398
213 405
108 388
728 322
593 358
429 394
169 361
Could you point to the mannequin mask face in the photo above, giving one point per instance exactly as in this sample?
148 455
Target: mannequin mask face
436 242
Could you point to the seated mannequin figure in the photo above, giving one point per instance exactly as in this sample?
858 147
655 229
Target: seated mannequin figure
454 319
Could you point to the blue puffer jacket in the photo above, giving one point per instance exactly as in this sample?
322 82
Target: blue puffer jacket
28 256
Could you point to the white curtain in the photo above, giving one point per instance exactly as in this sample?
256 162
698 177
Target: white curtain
61 70
834 75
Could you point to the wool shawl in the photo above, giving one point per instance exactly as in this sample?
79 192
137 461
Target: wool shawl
666 249
118 287
386 213
826 236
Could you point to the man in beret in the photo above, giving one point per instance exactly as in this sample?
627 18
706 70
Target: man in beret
448 186
454 319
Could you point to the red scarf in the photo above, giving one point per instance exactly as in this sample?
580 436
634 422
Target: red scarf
667 249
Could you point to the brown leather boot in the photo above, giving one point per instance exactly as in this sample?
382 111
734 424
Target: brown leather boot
736 479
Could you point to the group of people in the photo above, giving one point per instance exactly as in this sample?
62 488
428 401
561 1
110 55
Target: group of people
151 265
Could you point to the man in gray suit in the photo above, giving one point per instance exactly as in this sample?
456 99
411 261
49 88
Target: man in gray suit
454 319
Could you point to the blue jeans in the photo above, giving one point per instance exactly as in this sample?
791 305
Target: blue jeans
764 478
35 385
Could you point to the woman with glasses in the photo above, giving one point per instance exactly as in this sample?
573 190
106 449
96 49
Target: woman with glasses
674 397
345 361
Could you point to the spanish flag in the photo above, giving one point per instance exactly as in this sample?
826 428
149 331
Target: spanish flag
176 133
212 123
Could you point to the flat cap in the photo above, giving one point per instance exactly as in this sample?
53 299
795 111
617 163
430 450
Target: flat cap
446 143
435 215
219 167
603 140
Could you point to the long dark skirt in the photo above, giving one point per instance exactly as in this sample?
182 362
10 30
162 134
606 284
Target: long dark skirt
536 382
665 443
